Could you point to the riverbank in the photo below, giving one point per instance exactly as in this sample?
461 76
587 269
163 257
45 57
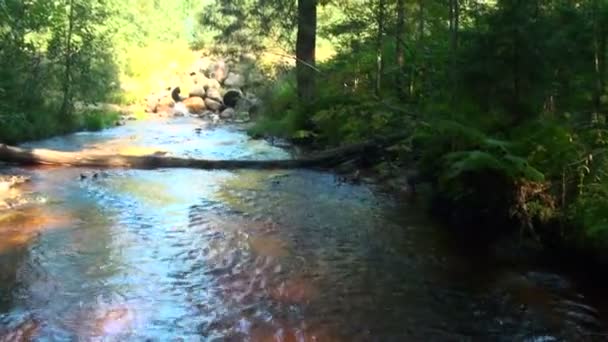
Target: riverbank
17 128
129 253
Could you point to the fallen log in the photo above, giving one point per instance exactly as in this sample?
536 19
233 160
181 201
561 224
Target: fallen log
325 159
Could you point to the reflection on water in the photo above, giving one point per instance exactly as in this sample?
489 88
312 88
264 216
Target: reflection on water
252 255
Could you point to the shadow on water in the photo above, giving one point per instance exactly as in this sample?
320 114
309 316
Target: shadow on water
255 255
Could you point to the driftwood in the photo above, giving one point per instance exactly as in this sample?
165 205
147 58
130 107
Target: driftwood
325 159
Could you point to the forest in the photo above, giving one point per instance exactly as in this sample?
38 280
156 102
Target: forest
503 102
303 170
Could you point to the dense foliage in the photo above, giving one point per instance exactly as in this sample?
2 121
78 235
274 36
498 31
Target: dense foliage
56 56
505 102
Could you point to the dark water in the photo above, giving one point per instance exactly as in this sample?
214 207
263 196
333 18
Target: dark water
190 255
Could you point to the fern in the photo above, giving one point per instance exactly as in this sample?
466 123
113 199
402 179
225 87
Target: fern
478 161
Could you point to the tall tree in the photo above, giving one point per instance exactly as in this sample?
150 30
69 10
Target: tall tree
66 106
400 45
599 55
380 22
454 28
305 49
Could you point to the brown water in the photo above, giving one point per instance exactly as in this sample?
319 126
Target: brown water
190 255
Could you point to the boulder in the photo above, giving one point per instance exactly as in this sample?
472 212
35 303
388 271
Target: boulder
234 80
255 77
212 104
227 113
200 80
248 104
202 65
213 84
164 105
231 97
197 91
195 104
214 94
218 71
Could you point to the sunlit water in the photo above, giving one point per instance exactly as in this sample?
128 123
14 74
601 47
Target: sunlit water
192 255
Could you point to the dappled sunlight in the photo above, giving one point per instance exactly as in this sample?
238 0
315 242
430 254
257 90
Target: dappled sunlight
269 246
150 191
23 332
299 289
113 322
241 255
279 331
19 227
238 192
123 146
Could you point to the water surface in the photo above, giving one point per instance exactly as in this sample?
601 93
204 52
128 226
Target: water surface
193 255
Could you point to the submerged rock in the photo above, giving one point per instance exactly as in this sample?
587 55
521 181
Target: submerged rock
227 113
10 196
25 331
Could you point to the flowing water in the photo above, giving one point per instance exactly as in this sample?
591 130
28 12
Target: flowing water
192 255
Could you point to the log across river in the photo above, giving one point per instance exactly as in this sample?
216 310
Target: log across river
323 159
166 254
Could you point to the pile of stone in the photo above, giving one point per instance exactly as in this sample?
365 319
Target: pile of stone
214 87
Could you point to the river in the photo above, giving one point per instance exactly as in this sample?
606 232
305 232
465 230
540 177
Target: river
193 255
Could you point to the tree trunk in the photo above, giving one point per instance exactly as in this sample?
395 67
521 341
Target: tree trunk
325 159
599 51
400 46
379 46
305 49
414 72
454 28
66 106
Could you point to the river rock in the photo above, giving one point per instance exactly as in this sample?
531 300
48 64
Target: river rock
234 80
212 104
198 91
255 77
195 104
25 331
248 104
202 65
206 114
213 84
214 94
198 79
231 97
164 105
227 113
219 71
215 119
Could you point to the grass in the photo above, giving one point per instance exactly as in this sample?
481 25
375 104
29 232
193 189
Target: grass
16 128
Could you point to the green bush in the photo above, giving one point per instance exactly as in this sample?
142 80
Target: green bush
97 120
